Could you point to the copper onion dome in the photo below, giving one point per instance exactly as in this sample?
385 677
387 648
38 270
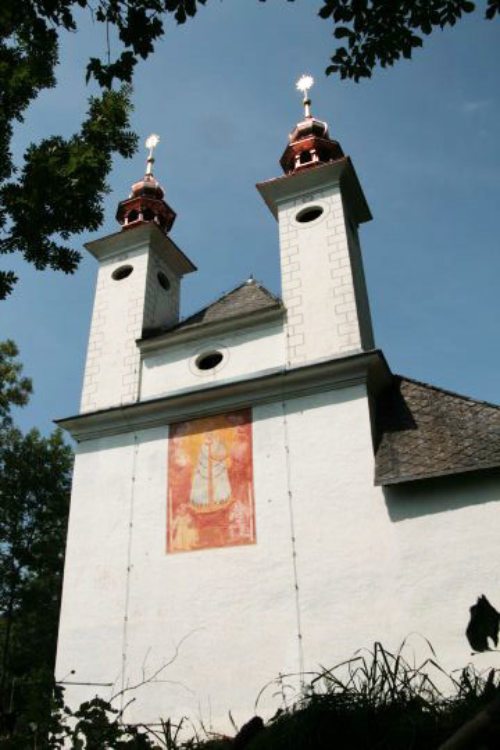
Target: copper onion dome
146 202
309 143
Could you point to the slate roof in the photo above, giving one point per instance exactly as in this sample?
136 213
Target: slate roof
247 298
422 431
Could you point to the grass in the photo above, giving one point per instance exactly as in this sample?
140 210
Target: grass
377 700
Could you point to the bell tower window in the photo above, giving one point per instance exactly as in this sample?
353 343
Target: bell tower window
122 272
163 281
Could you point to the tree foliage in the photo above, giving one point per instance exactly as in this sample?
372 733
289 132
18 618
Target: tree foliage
34 499
14 387
98 726
380 32
58 191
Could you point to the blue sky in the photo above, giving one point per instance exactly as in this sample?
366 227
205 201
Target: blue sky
423 137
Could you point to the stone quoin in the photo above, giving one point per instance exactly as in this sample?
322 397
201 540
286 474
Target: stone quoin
255 493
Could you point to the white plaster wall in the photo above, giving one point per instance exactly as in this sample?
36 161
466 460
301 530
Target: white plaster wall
112 365
340 520
317 280
446 545
161 306
122 308
245 352
337 565
233 624
94 592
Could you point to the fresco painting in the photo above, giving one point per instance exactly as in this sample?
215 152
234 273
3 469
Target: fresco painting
210 488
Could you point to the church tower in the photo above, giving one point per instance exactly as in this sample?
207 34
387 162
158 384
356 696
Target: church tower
138 288
319 206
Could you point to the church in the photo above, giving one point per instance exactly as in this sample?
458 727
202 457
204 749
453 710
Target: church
256 494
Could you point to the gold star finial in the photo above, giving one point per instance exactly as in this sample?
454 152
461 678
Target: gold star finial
304 84
151 143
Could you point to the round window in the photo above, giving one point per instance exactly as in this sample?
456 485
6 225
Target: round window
122 272
309 214
163 281
209 360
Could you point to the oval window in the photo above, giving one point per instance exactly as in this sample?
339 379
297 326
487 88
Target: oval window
309 214
209 360
122 272
163 281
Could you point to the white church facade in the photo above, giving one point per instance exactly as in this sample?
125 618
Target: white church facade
255 493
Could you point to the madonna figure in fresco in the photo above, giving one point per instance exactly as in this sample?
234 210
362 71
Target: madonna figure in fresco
211 489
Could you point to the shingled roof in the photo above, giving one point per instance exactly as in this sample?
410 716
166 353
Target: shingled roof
423 431
247 298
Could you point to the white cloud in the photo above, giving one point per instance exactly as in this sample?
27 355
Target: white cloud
472 106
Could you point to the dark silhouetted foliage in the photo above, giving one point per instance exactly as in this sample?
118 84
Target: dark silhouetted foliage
35 476
378 32
375 701
379 701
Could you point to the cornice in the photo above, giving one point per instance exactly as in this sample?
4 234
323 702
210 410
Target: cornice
262 388
179 335
340 172
143 235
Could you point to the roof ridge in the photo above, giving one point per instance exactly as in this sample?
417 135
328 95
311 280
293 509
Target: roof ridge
447 391
264 288
224 296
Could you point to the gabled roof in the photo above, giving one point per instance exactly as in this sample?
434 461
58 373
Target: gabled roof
246 299
422 431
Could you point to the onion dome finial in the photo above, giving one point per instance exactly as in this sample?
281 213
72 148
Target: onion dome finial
309 144
146 203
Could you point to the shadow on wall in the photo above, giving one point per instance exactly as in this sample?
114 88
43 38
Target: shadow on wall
483 626
441 494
